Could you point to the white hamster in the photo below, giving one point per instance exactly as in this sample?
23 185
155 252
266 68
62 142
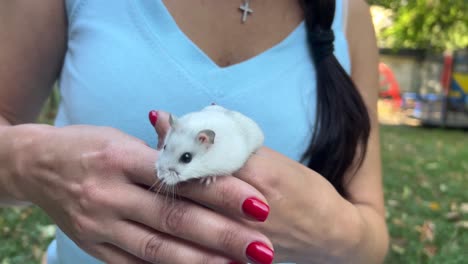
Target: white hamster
212 142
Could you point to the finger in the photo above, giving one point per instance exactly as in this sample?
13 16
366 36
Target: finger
111 254
160 121
155 247
274 157
194 223
267 169
270 154
230 196
138 163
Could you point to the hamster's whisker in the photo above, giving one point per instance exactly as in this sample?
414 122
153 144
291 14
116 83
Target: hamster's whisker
159 189
152 186
172 193
176 192
166 194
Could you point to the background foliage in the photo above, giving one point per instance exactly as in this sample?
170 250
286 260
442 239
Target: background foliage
434 25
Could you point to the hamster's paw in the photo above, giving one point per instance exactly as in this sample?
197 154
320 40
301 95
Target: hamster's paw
207 180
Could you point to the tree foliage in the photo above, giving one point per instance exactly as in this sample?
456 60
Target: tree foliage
434 25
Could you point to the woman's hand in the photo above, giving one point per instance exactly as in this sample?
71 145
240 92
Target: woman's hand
303 204
93 182
309 221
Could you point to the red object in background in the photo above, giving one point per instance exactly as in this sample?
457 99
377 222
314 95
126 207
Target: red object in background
446 76
393 90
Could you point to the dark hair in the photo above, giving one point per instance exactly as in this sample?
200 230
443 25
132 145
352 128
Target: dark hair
342 126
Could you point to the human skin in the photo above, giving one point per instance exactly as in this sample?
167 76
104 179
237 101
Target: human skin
309 221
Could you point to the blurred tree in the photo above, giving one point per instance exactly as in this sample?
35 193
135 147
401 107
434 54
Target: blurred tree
435 25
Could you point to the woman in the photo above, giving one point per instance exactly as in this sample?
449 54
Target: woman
312 195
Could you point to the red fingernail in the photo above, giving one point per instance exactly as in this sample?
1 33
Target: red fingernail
153 117
260 253
256 209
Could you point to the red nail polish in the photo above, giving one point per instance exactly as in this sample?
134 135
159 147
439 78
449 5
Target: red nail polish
153 117
256 209
260 253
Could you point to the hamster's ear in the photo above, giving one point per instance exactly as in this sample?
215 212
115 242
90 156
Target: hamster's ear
206 137
172 121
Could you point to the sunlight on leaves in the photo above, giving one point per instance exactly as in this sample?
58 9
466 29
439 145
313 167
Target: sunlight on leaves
398 245
462 224
397 249
464 208
47 231
452 216
406 192
392 203
443 187
432 166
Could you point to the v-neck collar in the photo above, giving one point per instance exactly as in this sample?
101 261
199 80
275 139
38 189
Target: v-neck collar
161 26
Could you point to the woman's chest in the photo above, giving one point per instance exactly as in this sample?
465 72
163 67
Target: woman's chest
232 31
129 58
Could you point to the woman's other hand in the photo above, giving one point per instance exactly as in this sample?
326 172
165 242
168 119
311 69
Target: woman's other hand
94 183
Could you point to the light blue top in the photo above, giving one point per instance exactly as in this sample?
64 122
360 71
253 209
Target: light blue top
128 57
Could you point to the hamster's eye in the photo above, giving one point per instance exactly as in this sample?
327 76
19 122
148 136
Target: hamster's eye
186 157
164 147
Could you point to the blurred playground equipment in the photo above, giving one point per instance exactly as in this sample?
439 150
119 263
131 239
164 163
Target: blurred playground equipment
442 97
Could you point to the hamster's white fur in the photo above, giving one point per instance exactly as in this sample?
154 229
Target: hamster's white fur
218 141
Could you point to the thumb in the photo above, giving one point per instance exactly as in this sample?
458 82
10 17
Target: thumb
160 122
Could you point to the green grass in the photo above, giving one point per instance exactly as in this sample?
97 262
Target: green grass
425 177
24 235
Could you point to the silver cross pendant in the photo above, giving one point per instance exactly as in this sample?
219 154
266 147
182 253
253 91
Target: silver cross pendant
245 8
